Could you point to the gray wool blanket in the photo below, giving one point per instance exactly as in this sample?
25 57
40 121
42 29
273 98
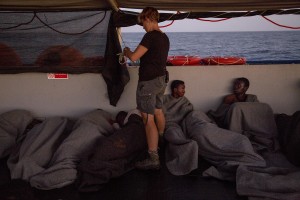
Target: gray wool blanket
231 153
112 156
219 116
197 135
49 155
256 121
12 129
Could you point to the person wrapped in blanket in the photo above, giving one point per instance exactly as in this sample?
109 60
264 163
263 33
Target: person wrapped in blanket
190 133
114 155
239 89
243 113
234 154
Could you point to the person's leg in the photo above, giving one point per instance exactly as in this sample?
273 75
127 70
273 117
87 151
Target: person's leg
160 121
152 140
158 112
151 131
147 93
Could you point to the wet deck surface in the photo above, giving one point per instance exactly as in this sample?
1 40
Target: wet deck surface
134 185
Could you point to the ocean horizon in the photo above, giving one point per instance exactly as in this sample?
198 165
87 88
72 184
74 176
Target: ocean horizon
253 45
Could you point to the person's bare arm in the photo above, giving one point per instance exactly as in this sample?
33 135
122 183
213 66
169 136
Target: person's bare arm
230 99
136 54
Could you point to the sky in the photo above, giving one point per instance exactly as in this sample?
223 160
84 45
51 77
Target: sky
254 23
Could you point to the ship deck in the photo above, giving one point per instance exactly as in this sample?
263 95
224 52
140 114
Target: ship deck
135 184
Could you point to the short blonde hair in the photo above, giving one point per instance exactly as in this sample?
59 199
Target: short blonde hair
150 13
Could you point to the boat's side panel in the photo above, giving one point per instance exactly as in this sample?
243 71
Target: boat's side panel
278 85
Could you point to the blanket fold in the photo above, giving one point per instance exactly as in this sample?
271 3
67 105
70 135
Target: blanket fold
113 155
12 129
247 152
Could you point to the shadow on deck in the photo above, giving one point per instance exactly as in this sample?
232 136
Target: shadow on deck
134 185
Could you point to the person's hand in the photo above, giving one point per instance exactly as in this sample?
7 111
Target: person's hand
230 99
126 50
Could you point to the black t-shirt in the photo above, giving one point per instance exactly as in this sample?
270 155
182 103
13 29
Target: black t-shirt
153 62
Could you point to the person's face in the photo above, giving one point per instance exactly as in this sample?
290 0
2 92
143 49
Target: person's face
239 87
179 91
146 24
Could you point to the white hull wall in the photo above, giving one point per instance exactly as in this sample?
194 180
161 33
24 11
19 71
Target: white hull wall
277 85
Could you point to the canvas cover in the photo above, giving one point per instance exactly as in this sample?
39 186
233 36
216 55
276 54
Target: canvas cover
181 5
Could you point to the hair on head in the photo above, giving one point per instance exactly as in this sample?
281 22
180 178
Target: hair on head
150 13
176 83
121 117
244 80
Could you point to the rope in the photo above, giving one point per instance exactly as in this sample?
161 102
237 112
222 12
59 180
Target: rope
249 13
220 63
167 20
187 60
16 26
207 20
36 16
71 33
218 20
121 55
167 25
121 38
290 27
122 58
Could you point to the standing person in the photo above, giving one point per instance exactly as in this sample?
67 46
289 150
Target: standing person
152 52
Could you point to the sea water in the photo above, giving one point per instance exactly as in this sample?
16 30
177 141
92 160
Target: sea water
254 46
271 47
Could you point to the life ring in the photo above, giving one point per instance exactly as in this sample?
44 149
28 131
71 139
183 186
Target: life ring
223 60
183 60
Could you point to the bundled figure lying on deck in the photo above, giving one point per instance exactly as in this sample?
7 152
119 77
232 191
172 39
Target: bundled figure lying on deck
114 155
191 133
58 151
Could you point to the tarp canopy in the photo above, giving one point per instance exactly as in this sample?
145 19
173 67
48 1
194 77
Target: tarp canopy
175 5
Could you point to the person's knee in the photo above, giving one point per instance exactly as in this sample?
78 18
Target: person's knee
158 112
148 119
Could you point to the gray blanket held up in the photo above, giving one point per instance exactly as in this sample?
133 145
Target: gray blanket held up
219 115
256 121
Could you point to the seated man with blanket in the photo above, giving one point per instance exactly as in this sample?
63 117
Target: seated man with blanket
192 133
239 89
243 113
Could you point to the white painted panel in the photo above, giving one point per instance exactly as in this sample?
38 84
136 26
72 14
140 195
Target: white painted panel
277 85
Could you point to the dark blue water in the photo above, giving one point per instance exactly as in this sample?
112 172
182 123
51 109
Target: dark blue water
254 46
280 46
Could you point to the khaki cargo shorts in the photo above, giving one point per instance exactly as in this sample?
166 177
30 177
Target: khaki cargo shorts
149 94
